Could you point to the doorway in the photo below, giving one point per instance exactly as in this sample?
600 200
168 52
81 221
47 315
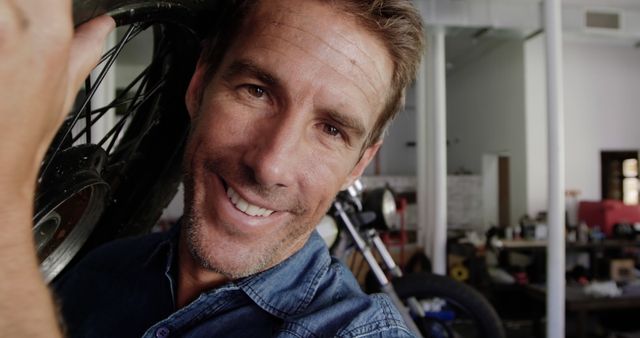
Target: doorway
496 195
619 175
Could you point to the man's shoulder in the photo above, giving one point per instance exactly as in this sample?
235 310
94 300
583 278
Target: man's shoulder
314 295
340 308
380 319
118 287
122 254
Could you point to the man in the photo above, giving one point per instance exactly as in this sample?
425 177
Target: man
286 113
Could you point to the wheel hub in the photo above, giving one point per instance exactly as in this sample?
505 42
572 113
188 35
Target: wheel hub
70 207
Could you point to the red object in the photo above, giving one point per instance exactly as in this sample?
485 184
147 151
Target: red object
521 278
397 238
607 213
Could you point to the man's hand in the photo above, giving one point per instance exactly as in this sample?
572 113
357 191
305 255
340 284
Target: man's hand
42 65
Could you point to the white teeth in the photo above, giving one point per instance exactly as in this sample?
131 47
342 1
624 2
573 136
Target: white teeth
252 210
242 205
246 207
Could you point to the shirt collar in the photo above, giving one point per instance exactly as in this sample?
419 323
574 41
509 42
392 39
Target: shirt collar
165 257
166 248
289 287
283 290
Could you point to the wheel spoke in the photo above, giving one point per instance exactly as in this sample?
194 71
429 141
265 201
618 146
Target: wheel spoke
115 131
87 128
103 73
133 105
138 28
106 68
118 101
122 98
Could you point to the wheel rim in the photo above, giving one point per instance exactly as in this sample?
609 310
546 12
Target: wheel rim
83 177
72 197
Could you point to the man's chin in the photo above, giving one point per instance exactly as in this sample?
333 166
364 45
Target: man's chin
225 256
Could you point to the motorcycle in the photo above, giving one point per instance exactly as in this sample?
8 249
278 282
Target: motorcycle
433 306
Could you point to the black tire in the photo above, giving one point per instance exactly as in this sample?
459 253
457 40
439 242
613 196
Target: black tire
147 177
474 316
123 188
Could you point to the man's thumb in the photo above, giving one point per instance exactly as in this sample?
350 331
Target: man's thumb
86 49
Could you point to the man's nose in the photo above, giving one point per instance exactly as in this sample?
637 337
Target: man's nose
274 153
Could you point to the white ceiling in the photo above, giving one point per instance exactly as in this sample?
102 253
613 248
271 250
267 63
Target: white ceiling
476 26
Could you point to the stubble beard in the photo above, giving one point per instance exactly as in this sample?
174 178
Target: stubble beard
225 256
200 249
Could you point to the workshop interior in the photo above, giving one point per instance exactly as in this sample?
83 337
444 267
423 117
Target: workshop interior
511 174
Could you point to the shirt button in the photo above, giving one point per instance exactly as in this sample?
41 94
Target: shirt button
162 332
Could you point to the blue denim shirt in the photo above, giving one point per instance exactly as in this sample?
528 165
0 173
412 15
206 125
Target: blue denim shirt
127 289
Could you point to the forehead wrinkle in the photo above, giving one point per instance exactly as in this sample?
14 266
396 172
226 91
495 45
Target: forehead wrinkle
339 51
334 69
369 56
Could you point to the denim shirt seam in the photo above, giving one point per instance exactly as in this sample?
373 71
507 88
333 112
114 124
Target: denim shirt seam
388 322
313 287
374 327
306 298
261 302
310 289
167 273
170 239
209 305
297 329
198 309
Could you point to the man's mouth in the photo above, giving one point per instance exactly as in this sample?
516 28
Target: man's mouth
246 207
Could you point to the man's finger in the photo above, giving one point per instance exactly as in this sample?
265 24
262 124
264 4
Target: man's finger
86 49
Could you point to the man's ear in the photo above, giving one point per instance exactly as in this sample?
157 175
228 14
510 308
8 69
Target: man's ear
364 161
193 98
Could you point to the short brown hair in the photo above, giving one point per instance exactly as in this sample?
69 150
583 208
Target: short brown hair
397 23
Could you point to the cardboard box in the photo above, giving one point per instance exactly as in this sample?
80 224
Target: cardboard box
622 270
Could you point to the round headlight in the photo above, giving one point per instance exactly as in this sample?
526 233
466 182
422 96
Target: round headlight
389 209
382 202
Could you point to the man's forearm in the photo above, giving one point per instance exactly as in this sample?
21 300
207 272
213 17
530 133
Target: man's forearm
26 306
42 64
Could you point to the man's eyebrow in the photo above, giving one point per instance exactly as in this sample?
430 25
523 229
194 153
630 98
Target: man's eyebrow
349 122
248 68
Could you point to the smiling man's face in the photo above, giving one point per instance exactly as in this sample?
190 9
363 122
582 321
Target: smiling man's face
279 129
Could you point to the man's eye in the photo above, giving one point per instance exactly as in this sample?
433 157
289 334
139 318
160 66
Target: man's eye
331 130
255 91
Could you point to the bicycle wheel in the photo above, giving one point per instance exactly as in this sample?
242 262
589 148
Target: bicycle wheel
451 308
94 189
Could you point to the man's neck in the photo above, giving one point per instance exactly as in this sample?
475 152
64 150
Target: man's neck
192 278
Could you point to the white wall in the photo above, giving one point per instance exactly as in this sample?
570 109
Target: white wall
536 124
602 112
135 56
602 95
485 101
396 158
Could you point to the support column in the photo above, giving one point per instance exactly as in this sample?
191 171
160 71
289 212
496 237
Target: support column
432 150
422 150
555 105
